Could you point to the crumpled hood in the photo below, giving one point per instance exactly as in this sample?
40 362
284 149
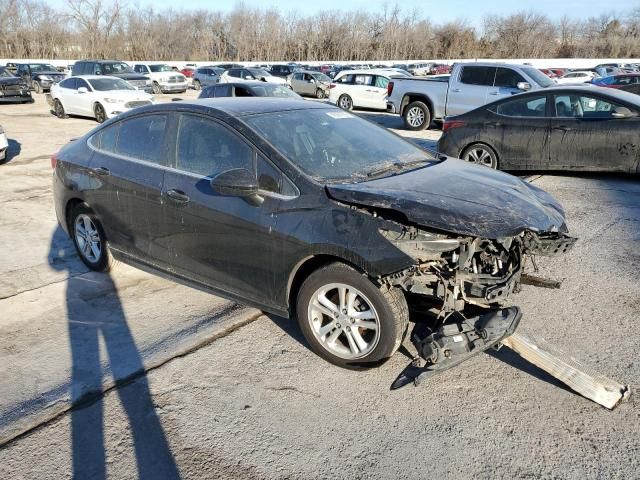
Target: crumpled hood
12 81
458 197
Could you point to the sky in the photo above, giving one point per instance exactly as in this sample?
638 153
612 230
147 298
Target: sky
439 11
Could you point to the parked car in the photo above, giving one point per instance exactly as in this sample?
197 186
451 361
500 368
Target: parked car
578 76
13 88
96 96
305 211
188 71
440 69
4 145
617 81
549 73
164 79
39 76
248 89
113 68
337 69
227 66
419 69
633 88
314 84
561 128
421 100
283 71
205 76
250 74
360 89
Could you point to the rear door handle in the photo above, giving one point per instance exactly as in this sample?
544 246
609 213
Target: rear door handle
102 171
178 196
457 90
494 93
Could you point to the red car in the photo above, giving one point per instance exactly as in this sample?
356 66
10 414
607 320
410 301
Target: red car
440 69
549 73
188 71
617 81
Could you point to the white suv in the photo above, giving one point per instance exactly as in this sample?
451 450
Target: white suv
165 79
360 88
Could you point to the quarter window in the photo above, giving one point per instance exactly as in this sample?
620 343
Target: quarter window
381 82
69 83
107 138
524 107
143 138
505 77
478 76
270 179
207 148
82 83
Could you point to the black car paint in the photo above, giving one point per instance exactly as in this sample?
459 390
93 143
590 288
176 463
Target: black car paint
14 89
252 253
552 143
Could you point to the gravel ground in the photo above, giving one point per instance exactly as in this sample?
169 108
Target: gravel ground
257 403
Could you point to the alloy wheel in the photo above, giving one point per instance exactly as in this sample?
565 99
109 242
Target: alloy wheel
88 238
101 116
344 321
345 102
480 155
415 117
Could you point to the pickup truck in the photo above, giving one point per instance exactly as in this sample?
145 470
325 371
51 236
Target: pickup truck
164 78
471 85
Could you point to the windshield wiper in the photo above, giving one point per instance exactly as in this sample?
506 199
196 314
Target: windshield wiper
395 167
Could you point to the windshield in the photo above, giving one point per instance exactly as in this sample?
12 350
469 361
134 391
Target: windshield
321 77
538 77
160 68
42 67
267 90
258 72
106 84
5 73
120 67
334 146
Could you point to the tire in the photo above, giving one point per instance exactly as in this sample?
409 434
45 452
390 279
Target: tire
320 93
156 88
99 113
197 86
481 154
345 102
417 116
58 109
89 239
37 87
343 339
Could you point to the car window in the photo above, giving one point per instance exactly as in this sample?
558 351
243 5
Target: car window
81 83
381 82
206 148
346 79
223 90
524 107
270 179
506 77
107 138
242 92
235 73
583 106
366 80
478 75
142 138
69 83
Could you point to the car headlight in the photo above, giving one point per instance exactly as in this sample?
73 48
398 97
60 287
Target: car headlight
112 100
419 244
45 77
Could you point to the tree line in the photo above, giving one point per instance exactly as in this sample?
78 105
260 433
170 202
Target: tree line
116 29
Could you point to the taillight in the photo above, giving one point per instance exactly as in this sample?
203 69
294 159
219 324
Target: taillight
332 85
389 88
54 160
449 124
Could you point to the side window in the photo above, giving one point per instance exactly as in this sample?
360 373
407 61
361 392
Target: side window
366 80
579 106
96 69
478 76
143 138
242 92
346 79
246 74
69 83
107 138
223 90
381 82
297 76
270 179
81 83
207 148
235 73
505 77
524 107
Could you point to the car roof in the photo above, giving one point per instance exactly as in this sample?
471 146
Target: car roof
93 77
235 106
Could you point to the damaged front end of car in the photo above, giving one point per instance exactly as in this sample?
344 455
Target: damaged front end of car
465 285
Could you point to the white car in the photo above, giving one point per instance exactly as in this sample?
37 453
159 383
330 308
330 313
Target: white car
97 96
165 79
360 89
4 145
576 77
250 74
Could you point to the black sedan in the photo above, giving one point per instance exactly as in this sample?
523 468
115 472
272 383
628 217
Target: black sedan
584 128
13 89
301 209
248 89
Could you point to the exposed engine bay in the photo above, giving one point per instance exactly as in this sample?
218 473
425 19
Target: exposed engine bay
467 283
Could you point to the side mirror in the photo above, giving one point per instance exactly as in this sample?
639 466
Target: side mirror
237 182
83 90
523 86
621 112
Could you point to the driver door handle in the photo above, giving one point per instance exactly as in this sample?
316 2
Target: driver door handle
178 196
101 171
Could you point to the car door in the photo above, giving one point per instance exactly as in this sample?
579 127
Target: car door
360 91
520 129
66 91
297 83
222 241
588 133
505 84
377 92
84 100
129 161
470 90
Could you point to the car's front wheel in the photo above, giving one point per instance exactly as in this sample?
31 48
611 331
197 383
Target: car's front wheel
89 239
156 88
347 319
319 93
197 85
37 87
345 102
99 113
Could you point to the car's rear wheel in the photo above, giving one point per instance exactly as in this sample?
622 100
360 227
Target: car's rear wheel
319 93
196 85
37 87
417 116
481 154
99 113
345 102
58 109
347 319
89 239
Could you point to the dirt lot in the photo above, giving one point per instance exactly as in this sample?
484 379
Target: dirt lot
235 394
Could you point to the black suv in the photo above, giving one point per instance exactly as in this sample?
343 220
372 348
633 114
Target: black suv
113 68
39 76
12 88
283 70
